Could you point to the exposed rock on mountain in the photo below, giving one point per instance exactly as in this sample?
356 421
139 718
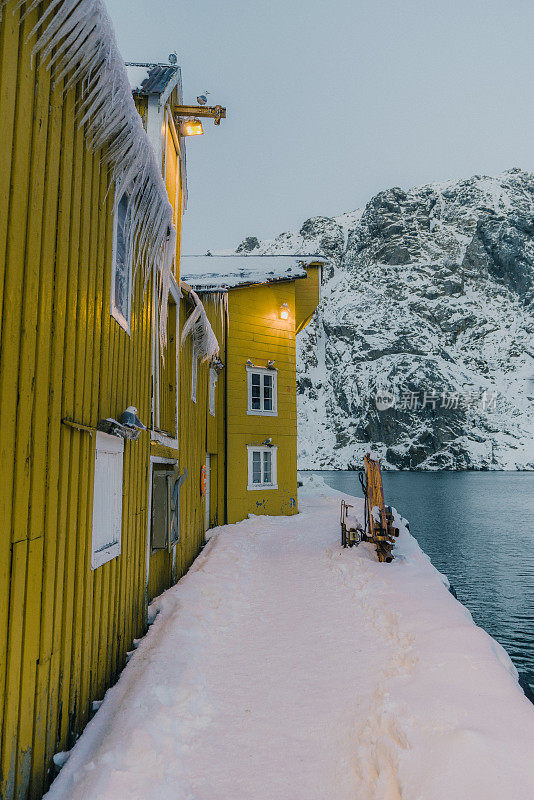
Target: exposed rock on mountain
423 345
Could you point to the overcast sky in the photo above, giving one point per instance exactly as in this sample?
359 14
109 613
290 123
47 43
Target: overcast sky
331 102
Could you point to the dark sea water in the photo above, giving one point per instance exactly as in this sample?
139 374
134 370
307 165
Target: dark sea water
478 529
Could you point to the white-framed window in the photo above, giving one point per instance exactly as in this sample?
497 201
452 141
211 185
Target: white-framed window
212 385
261 467
107 499
262 391
121 269
165 507
194 375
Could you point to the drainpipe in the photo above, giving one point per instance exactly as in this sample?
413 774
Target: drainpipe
226 325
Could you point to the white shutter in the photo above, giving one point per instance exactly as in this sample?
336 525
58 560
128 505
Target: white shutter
107 499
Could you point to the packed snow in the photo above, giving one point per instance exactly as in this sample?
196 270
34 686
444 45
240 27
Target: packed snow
283 667
137 75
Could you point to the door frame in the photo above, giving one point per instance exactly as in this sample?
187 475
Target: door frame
207 494
155 460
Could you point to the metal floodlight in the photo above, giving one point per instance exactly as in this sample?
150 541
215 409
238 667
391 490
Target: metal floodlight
191 127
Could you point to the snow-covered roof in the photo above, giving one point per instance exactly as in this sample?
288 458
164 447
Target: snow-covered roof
225 271
78 42
148 79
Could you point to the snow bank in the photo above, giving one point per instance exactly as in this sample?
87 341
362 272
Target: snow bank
282 666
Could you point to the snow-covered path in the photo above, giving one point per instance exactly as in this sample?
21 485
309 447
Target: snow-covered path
285 668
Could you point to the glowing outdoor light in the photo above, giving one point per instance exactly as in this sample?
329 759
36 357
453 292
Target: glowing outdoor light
284 311
191 127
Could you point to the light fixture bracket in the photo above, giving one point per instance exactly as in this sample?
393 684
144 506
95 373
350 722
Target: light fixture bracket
216 113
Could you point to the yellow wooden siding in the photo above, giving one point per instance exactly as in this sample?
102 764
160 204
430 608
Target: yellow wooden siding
193 439
168 377
160 574
199 433
171 163
64 629
307 296
176 191
257 332
141 103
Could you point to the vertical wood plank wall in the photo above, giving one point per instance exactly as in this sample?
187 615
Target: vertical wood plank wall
307 294
256 332
64 629
196 425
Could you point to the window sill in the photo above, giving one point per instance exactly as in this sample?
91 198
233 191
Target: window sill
103 556
254 413
261 487
117 316
162 438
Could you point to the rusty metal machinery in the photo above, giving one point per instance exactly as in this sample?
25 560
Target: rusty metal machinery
351 528
377 526
379 517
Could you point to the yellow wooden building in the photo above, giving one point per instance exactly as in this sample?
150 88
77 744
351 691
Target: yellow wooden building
125 426
270 300
91 317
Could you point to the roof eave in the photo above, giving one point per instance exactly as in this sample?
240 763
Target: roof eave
222 288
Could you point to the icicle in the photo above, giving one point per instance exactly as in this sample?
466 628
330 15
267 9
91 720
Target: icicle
204 340
79 44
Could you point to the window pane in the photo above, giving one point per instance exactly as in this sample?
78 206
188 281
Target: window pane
160 511
256 391
122 270
174 510
266 467
212 385
267 393
256 466
194 375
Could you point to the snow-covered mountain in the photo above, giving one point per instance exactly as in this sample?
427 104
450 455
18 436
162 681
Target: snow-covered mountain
429 291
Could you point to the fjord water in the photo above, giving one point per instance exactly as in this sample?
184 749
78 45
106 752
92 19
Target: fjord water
478 529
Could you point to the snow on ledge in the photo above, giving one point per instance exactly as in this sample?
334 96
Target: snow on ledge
282 666
78 44
212 272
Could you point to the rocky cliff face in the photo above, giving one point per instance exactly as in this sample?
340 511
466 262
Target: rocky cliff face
423 345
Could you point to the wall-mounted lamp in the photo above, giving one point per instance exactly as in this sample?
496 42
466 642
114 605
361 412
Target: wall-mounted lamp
284 311
191 127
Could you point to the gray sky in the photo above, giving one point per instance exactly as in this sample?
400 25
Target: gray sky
329 103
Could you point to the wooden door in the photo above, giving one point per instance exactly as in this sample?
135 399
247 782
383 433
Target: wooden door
207 504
